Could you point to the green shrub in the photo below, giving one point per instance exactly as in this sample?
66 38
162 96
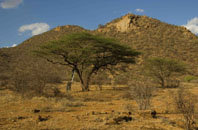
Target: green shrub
190 78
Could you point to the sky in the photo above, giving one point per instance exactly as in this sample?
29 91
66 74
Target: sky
22 19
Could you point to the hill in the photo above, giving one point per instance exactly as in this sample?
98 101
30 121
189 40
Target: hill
149 36
154 38
105 106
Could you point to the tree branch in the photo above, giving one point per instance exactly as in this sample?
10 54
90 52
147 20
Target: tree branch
55 62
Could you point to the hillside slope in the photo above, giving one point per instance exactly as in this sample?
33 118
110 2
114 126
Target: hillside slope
154 38
150 36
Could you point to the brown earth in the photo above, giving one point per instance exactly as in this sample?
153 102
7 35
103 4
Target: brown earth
94 110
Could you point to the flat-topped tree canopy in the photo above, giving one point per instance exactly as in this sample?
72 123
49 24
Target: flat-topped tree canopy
164 69
87 53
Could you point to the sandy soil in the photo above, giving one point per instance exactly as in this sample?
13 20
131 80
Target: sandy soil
94 110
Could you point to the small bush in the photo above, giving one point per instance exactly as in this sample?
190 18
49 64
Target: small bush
185 104
142 92
122 79
4 80
190 78
173 83
28 84
100 79
101 26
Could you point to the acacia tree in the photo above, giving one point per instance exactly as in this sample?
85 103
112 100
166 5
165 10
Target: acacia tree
87 54
162 69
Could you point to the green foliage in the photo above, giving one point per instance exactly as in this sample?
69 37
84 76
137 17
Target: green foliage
190 78
101 26
87 53
89 49
162 69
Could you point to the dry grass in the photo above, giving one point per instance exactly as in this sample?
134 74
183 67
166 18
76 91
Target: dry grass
94 110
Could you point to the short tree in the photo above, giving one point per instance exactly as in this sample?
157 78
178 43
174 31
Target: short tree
87 54
162 69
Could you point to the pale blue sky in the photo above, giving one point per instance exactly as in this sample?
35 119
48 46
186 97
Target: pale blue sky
41 15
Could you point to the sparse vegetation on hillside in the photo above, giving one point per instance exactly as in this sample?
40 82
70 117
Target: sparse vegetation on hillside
129 98
155 38
5 68
147 35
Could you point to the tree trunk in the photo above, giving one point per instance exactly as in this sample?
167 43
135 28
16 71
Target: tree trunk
69 84
85 81
81 79
85 88
161 81
86 84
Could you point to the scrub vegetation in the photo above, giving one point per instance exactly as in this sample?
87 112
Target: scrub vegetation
138 75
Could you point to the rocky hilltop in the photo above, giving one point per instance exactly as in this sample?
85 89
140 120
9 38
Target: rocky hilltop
136 23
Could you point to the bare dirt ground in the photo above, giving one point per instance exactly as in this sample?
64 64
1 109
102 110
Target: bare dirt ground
94 110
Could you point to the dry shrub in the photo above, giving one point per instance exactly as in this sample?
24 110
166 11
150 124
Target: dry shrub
173 83
141 92
28 84
128 95
122 79
100 79
130 108
4 80
185 104
34 81
52 91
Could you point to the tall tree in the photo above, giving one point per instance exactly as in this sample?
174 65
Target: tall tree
87 54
